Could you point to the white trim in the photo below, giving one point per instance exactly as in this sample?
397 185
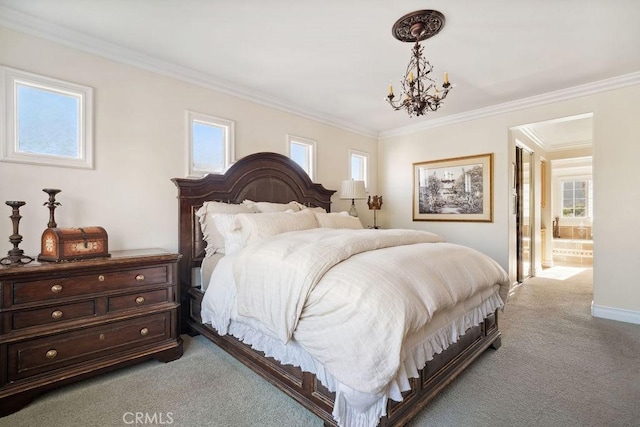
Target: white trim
21 22
530 131
9 151
312 152
533 135
18 21
612 313
229 141
618 82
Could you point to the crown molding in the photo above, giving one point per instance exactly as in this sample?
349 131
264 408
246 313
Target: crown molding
27 24
531 133
40 28
533 101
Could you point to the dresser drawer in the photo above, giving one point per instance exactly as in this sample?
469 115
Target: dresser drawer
140 299
58 351
43 316
42 290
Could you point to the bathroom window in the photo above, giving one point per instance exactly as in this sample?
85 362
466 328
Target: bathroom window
577 196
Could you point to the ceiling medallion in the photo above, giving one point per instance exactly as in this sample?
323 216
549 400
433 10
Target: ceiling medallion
419 90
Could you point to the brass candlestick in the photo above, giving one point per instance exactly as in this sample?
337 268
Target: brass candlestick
52 205
15 255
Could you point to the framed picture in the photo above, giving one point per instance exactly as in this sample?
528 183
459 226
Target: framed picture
459 189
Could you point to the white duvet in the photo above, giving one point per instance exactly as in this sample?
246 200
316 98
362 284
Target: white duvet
351 298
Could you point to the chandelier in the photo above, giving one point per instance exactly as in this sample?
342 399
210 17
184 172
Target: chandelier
420 93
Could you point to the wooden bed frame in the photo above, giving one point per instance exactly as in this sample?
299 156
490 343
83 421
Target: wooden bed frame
275 178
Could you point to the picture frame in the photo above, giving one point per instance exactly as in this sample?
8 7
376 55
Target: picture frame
456 189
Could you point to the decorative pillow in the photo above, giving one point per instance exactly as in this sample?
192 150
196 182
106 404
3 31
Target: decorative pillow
337 220
214 239
271 207
254 228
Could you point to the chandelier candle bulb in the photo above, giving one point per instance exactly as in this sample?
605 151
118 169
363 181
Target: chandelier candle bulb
446 77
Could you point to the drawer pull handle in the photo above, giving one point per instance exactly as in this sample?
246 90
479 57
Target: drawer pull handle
101 337
101 278
51 354
56 314
140 300
144 332
56 289
140 277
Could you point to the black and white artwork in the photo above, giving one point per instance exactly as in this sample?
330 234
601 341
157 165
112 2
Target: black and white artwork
458 189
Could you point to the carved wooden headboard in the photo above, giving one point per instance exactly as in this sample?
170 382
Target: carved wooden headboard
261 177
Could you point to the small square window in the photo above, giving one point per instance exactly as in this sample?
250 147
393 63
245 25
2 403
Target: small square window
303 152
47 121
211 144
358 166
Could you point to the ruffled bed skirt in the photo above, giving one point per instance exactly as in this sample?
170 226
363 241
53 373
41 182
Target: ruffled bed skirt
353 408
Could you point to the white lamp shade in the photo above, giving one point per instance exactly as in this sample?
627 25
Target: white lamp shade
352 189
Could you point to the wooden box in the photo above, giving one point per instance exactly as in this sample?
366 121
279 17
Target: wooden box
64 244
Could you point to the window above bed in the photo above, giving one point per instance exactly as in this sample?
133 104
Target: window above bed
46 121
211 144
303 152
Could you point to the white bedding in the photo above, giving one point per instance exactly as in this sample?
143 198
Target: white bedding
369 308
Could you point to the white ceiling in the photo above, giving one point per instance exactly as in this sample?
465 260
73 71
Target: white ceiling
333 60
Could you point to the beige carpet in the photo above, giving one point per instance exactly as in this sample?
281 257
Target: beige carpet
557 366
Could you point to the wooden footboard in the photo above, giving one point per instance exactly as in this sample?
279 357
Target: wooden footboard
308 391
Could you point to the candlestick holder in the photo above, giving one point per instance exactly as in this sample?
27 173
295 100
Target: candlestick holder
52 205
15 255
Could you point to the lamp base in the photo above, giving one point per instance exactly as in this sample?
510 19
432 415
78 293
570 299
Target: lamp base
352 210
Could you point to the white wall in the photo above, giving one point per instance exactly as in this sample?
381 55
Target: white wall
616 234
140 139
140 144
616 192
396 156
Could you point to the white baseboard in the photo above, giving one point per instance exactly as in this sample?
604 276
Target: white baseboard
619 314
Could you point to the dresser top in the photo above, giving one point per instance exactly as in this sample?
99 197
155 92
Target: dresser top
117 258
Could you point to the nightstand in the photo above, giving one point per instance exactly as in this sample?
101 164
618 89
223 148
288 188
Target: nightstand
63 322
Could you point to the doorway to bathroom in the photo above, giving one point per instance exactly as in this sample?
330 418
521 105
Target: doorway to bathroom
557 158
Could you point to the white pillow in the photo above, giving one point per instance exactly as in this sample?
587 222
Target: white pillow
222 207
254 228
271 207
215 240
316 209
337 220
231 235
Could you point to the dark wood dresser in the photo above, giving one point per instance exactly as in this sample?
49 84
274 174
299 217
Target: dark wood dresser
63 322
